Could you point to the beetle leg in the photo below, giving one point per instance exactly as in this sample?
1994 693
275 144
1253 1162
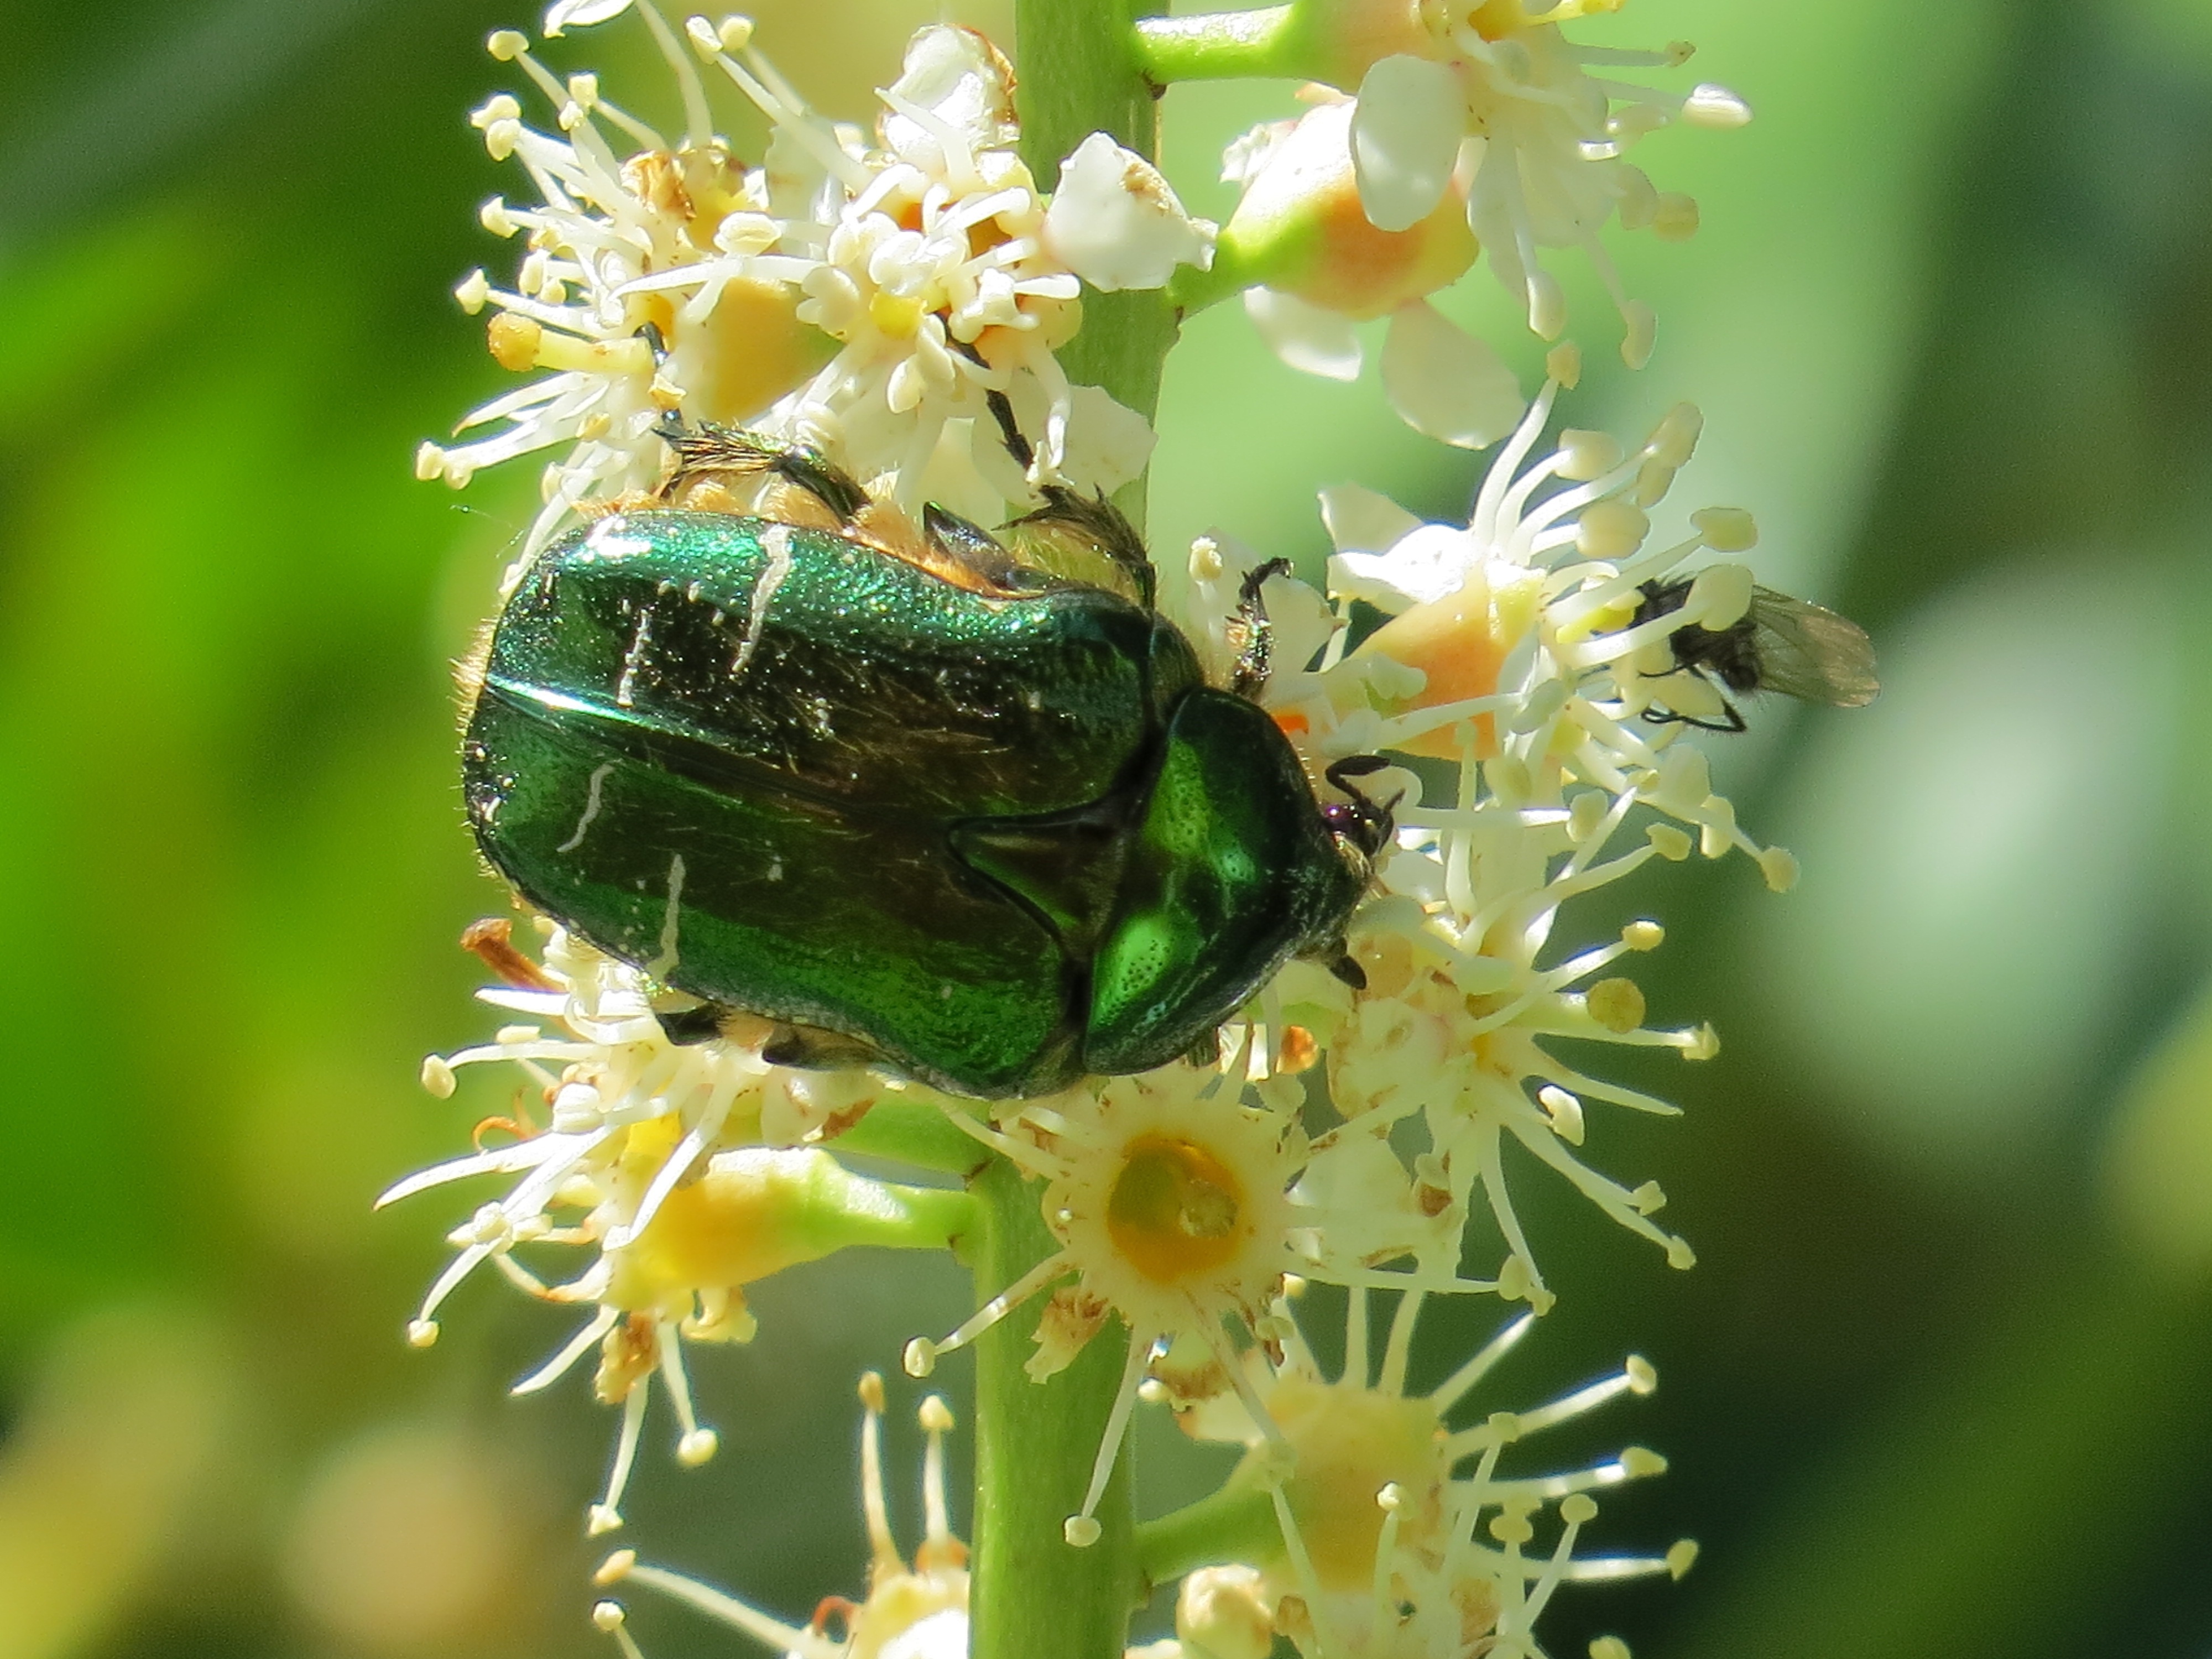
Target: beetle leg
1205 1050
962 541
811 1049
1346 968
1009 431
1097 525
708 447
1255 652
687 1026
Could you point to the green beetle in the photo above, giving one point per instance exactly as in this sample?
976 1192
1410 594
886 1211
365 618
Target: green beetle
926 807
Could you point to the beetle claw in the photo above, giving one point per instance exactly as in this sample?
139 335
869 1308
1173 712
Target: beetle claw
686 1026
811 1049
1206 1050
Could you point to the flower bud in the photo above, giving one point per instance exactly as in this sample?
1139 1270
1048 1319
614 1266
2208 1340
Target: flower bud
1301 228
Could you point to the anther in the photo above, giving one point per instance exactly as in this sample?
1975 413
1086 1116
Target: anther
1711 106
1726 529
615 1568
1616 1003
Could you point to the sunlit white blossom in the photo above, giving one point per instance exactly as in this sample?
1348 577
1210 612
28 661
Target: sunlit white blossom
1489 111
1402 1537
1179 1209
680 1173
866 299
1508 650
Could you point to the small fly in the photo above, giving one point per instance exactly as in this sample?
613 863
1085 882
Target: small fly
1778 644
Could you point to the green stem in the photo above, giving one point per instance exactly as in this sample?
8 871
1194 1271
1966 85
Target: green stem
1079 75
1236 1524
1274 42
1033 1595
915 1133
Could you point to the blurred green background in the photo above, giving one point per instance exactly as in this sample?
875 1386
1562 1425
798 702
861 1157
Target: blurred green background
1940 1385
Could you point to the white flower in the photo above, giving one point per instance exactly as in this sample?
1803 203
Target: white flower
910 1612
1485 111
868 300
678 1168
1179 1210
1497 93
1509 649
1116 224
1300 226
1401 1536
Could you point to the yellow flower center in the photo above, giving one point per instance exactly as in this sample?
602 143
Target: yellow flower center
1351 1444
1175 1209
895 315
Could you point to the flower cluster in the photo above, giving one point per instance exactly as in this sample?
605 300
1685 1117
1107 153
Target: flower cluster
683 1172
1181 1210
1384 1548
1505 710
1437 133
870 300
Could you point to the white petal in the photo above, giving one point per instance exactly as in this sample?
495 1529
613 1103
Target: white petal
959 77
1359 521
1404 139
1431 563
1306 338
1114 223
580 14
1444 383
1108 443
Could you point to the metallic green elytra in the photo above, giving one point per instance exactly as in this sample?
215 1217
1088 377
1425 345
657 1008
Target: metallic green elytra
993 836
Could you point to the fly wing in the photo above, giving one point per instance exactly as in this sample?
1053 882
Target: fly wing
1811 653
